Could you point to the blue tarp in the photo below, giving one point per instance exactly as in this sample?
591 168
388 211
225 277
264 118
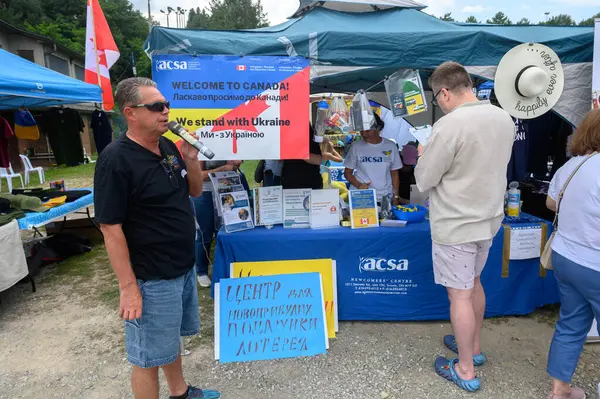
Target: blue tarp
24 83
389 38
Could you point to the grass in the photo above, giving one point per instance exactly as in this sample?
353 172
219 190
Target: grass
248 167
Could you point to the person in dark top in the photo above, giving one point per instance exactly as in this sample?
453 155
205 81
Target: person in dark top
142 186
304 173
407 173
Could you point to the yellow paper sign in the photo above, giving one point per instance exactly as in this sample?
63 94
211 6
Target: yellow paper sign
324 266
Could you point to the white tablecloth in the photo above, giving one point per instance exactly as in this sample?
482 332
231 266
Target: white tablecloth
13 265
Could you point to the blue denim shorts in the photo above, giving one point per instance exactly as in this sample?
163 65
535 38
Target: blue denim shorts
169 311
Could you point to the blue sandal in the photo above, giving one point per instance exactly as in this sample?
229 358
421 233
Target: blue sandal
197 393
450 342
445 368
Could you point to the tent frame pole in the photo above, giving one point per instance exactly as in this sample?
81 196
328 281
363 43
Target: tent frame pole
96 51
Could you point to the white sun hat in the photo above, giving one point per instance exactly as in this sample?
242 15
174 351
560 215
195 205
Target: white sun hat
529 80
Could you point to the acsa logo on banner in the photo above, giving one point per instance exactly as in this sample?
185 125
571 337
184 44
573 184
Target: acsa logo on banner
382 265
170 65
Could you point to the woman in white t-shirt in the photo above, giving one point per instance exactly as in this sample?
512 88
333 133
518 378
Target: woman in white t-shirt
576 255
374 162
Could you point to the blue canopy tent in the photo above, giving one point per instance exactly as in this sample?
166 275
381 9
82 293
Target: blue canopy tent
351 51
23 83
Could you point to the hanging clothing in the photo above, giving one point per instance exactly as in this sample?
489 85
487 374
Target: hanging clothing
6 133
64 128
536 141
25 125
102 130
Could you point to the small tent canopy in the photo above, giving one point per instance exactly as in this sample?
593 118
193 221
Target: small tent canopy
355 50
23 83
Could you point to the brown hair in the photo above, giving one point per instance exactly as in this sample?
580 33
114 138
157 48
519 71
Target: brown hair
587 136
451 76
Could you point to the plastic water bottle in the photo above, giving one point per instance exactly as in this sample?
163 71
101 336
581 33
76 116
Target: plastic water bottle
514 199
427 206
322 115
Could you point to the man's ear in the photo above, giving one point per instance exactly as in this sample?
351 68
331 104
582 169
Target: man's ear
128 113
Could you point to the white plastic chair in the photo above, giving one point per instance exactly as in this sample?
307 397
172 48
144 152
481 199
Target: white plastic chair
29 169
9 175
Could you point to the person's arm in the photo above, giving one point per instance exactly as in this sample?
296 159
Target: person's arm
434 163
329 152
349 175
551 204
396 187
314 159
118 253
553 193
112 189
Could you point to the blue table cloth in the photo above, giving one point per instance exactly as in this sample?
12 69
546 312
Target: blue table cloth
39 219
387 273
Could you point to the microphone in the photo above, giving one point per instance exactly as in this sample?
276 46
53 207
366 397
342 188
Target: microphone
181 132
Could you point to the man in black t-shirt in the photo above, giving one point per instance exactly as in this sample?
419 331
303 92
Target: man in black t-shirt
142 186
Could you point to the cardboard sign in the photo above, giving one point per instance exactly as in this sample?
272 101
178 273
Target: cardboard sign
269 317
240 107
326 267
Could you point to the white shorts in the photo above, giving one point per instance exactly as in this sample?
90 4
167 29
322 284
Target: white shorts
457 266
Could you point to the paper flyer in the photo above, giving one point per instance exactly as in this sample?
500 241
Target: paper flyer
226 182
422 133
324 208
235 208
268 206
296 208
363 209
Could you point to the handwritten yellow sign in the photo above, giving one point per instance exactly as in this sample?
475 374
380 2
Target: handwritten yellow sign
324 266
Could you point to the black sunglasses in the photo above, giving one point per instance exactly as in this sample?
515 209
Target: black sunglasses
169 172
434 100
158 106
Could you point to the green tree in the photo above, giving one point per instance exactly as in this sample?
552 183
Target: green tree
198 19
560 20
472 20
500 19
589 21
64 22
236 14
523 21
447 17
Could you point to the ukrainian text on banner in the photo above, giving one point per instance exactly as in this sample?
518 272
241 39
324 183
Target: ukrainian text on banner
241 107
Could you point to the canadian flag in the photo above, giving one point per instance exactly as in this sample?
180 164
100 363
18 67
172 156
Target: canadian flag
101 52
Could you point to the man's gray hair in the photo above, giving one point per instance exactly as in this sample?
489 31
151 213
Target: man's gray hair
128 92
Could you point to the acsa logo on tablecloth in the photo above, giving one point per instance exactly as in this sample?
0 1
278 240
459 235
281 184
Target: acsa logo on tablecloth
382 265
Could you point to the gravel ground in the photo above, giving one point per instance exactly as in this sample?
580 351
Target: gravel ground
65 341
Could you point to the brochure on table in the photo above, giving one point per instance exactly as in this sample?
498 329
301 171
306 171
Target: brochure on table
268 206
363 209
324 208
296 208
233 205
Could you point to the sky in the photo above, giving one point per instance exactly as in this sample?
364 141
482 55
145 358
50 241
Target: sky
279 10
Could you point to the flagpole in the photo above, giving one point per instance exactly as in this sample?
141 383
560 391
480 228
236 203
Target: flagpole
96 51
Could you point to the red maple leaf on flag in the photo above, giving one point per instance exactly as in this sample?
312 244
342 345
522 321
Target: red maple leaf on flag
246 111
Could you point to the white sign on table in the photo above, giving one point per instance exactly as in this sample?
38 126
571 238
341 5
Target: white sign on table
268 205
324 208
296 208
525 242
